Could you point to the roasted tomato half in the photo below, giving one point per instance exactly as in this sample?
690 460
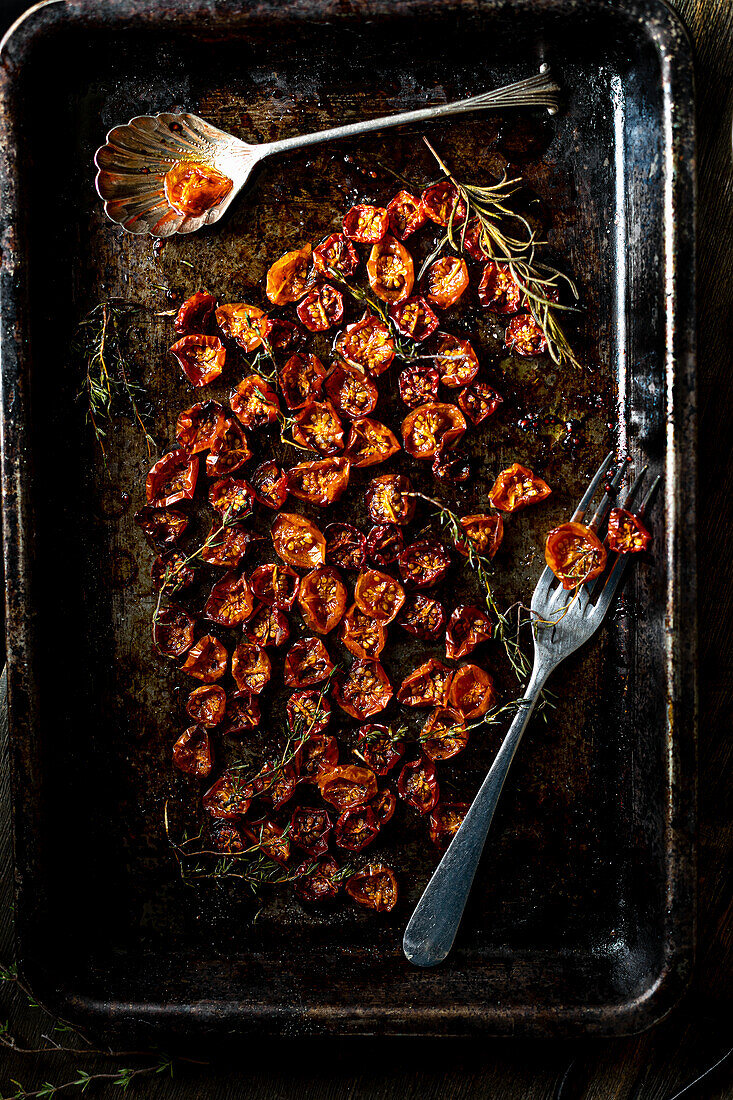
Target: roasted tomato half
321 309
378 595
172 631
307 663
442 203
243 713
231 602
284 336
455 360
254 402
418 384
380 749
207 705
192 188
196 314
345 546
269 838
309 829
366 344
498 291
317 427
575 554
472 241
422 617
481 533
225 838
207 660
269 485
242 323
467 628
231 498
444 734
385 543
251 668
283 785
351 392
227 799
525 337
479 401
345 785
268 626
418 785
226 548
370 442
432 427
321 482
384 805
301 380
366 224
516 487
427 686
361 634
200 426
424 564
289 278
445 821
275 584
414 318
308 712
452 467
318 753
446 281
405 214
228 452
364 690
322 599
192 752
390 270
336 254
471 691
356 828
161 526
319 881
390 499
172 478
298 541
374 887
171 572
626 533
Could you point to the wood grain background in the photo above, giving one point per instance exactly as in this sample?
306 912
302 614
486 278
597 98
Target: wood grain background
653 1066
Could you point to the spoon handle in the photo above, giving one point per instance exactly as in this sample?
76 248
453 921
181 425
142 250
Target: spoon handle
534 91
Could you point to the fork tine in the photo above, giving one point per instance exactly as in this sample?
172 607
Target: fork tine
634 489
607 500
651 493
589 493
612 583
614 576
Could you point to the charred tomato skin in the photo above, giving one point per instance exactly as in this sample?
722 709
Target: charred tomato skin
405 214
467 628
172 478
195 315
356 828
201 358
424 563
192 752
419 384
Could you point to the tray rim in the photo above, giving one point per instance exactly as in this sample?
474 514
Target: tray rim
664 27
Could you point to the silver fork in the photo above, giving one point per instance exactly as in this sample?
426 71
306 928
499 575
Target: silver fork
558 631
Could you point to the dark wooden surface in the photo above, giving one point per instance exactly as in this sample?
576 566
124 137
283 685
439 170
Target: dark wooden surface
653 1066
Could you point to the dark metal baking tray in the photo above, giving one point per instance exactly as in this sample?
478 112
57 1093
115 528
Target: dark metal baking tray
582 918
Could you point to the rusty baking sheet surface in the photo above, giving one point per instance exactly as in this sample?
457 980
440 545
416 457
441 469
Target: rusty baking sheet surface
581 919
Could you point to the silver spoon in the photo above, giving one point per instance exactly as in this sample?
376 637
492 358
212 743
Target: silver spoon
136 157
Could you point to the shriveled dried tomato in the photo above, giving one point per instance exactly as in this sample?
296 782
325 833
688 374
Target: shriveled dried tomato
283 785
418 384
525 337
243 713
191 188
468 627
471 691
322 482
345 546
207 660
370 442
283 336
317 882
423 617
227 799
366 344
207 705
201 358
289 278
268 626
192 752
322 308
366 224
298 541
196 314
230 602
384 805
301 380
445 821
363 690
414 318
351 392
317 427
225 837
254 402
322 599
479 401
626 533
171 572
427 686
231 498
498 291
307 663
380 748
444 734
418 785
345 785
374 887
197 428
424 564
453 467
432 427
269 485
308 712
456 361
229 451
378 595
516 487
309 829
575 554
405 214
482 533
384 544
251 668
390 270
243 323
472 241
442 203
226 548
356 828
161 526
275 584
172 631
336 253
361 634
390 499
269 838
318 753
172 478
447 279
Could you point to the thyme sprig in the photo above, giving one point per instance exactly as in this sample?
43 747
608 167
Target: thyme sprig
405 349
170 583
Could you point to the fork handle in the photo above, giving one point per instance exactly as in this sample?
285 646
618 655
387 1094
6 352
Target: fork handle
433 926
